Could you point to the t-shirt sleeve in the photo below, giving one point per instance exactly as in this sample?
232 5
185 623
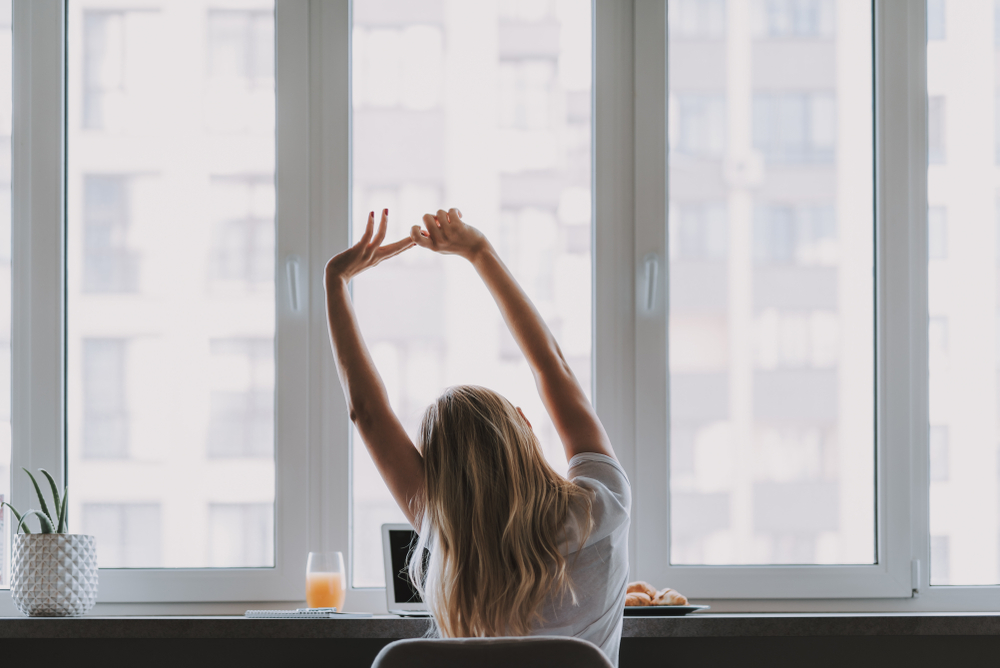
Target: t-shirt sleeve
606 478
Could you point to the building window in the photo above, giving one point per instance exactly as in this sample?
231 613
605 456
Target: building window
109 264
241 46
697 18
795 127
243 234
699 231
116 81
937 233
128 534
241 409
805 235
936 130
240 71
938 453
794 18
105 411
241 535
699 125
935 20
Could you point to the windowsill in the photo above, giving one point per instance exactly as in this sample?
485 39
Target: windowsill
700 625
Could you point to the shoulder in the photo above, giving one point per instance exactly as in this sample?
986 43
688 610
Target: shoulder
588 469
605 478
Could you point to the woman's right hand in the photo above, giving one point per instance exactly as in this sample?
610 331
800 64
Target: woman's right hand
446 233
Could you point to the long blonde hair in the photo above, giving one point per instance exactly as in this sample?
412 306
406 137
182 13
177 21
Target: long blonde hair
493 517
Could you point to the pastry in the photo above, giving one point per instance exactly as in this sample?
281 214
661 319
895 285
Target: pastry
669 597
637 598
641 587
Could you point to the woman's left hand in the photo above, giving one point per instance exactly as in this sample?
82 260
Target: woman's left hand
367 253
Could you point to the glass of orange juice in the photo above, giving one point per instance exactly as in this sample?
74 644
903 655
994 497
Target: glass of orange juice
325 582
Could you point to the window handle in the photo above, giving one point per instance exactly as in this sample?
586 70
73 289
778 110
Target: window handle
652 265
292 267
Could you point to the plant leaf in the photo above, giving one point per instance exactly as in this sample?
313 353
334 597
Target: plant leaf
16 514
55 495
43 520
38 491
63 522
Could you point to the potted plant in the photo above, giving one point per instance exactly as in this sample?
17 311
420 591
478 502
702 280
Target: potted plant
53 573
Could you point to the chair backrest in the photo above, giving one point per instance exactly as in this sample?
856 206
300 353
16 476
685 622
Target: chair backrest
526 652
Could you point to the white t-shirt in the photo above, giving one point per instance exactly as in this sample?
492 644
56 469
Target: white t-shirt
599 571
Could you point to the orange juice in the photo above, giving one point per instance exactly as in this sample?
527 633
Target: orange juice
325 590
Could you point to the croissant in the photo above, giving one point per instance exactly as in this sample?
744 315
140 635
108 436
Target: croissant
670 597
643 588
637 598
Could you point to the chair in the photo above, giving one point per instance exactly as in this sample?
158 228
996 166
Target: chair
525 652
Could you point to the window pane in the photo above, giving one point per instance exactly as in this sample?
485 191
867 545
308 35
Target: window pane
170 281
963 272
6 92
771 299
514 156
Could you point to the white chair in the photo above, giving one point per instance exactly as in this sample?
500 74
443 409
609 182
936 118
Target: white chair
524 652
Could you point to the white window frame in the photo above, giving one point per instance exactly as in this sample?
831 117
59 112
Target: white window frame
631 387
38 244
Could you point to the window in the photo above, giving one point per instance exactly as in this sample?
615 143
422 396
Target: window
935 20
173 338
117 53
962 299
241 404
6 108
697 18
937 233
105 409
700 125
128 533
794 18
170 286
242 533
794 127
243 232
528 96
109 265
771 360
936 129
240 68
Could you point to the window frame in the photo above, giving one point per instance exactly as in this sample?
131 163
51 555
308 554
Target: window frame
631 378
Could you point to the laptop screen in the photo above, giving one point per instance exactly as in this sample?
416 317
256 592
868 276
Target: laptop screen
400 541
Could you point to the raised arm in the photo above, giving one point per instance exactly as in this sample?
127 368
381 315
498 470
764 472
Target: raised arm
390 447
572 414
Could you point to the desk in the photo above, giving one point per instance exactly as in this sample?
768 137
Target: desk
773 640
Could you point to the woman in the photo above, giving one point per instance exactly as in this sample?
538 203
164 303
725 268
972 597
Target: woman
515 549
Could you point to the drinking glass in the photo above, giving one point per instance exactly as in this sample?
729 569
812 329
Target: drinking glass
325 582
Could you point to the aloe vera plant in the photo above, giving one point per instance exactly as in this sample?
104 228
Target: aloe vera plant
45 518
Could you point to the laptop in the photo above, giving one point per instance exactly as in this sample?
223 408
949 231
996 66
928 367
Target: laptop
401 597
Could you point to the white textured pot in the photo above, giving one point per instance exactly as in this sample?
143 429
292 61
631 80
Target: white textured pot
54 575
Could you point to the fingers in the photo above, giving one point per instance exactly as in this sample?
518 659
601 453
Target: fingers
369 230
454 215
420 238
433 230
393 249
443 219
382 227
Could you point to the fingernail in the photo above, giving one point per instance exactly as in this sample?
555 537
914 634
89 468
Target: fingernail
385 212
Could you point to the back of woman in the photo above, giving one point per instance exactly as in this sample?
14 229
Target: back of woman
515 549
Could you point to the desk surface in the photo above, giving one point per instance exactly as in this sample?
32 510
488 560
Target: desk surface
390 627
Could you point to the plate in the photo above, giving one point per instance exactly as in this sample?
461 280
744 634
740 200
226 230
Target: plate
662 610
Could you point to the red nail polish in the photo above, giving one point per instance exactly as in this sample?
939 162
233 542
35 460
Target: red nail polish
386 212
371 214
